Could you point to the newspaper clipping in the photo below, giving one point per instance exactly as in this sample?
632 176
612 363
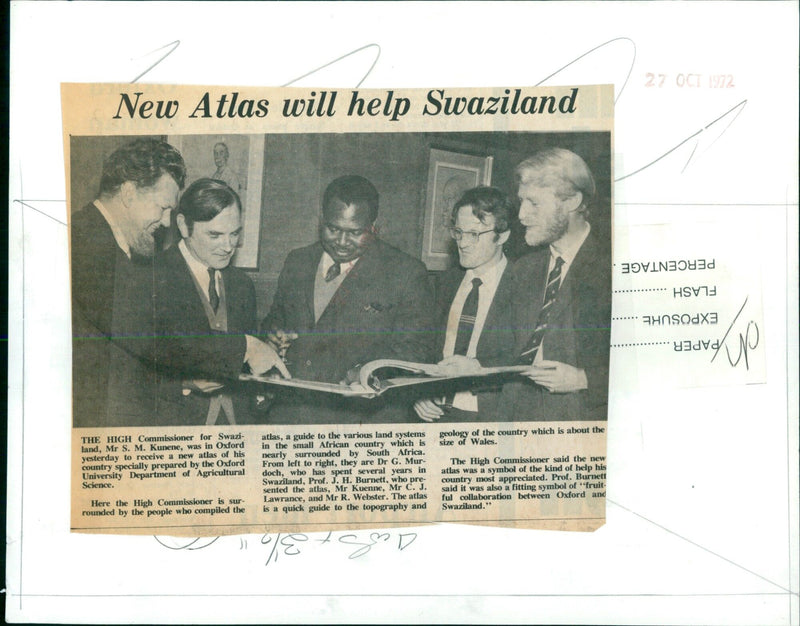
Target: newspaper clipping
300 309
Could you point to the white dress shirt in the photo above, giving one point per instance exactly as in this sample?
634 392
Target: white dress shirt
199 270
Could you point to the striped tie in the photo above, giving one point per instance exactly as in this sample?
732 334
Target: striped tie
467 320
466 324
553 283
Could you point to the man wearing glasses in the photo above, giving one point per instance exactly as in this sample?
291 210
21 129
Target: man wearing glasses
345 300
469 304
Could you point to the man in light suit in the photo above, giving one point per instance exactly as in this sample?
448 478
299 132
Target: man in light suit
470 301
199 293
562 305
345 300
115 353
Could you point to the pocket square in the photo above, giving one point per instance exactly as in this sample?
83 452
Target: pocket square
376 307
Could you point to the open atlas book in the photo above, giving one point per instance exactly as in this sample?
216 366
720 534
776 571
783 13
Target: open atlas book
367 382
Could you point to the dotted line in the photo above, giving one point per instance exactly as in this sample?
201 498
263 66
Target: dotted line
630 345
630 317
636 290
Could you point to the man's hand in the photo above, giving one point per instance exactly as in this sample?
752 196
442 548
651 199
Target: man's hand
205 386
459 365
428 410
281 340
557 377
262 357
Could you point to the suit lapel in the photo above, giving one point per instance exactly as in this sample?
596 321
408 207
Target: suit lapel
306 283
494 316
185 285
355 281
533 285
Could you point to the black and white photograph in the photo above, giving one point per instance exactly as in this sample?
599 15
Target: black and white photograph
391 278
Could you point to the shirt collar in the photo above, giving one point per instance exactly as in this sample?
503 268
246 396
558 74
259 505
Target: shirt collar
115 230
198 269
495 266
569 251
327 262
490 271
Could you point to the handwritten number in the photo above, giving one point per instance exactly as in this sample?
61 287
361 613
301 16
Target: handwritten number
273 554
291 545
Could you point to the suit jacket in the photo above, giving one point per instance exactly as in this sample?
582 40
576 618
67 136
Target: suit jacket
382 309
180 312
496 339
115 352
111 383
578 334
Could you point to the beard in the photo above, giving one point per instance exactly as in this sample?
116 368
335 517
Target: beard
143 244
545 234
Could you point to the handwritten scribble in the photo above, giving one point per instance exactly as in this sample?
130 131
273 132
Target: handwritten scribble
172 47
374 46
746 342
295 544
196 543
737 109
627 40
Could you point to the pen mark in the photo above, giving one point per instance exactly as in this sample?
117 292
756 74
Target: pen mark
344 56
744 346
739 106
697 545
602 45
746 343
33 208
174 46
192 545
727 332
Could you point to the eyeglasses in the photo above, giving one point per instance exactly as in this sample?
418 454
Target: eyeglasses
468 236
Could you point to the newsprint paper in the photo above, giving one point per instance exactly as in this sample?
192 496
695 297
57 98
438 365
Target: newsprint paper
309 309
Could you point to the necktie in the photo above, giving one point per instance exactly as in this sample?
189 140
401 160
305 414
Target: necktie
553 283
333 271
213 296
466 323
467 320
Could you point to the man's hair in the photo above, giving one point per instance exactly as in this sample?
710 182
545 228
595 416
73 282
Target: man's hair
206 198
487 201
142 162
352 189
563 171
224 145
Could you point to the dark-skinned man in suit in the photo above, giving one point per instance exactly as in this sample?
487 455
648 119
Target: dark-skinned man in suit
343 301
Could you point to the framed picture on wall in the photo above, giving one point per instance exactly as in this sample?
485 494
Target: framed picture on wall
237 160
450 174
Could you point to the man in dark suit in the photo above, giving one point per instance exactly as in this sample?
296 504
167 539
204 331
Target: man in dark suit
470 302
562 305
115 352
348 299
199 293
